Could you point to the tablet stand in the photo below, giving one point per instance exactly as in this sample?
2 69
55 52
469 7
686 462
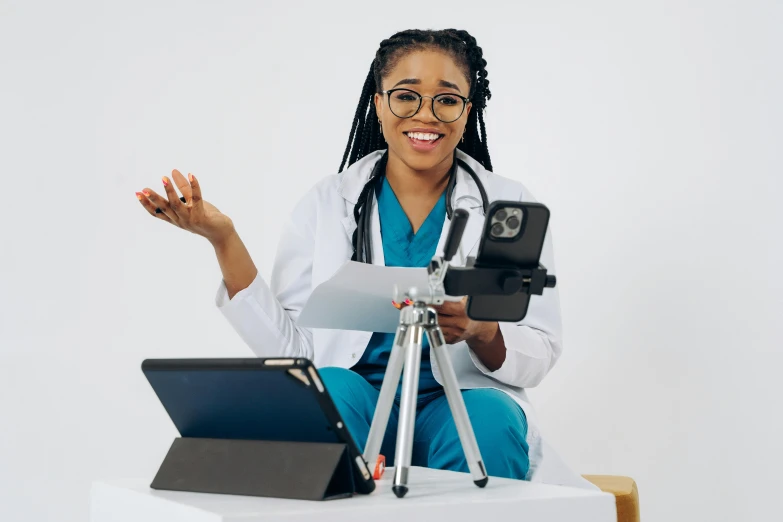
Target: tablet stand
294 470
418 320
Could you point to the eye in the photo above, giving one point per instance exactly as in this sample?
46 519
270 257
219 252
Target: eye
406 96
449 100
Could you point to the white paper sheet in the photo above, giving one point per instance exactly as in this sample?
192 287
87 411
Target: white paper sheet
359 297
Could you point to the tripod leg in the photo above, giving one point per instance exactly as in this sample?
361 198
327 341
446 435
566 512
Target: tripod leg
383 407
457 405
410 390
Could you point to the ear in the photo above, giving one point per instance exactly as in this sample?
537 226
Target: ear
378 100
467 113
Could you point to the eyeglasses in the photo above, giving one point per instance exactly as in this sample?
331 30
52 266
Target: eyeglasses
405 103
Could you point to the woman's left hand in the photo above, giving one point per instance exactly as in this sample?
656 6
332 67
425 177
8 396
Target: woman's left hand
457 326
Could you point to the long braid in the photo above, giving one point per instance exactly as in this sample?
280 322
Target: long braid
476 135
367 90
366 137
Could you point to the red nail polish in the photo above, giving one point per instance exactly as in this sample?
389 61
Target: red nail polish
165 181
139 195
408 302
146 192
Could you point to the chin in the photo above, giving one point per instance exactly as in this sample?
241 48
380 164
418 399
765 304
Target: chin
423 161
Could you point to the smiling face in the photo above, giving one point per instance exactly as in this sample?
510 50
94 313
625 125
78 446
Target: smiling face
423 142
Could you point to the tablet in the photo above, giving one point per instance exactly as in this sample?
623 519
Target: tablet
280 399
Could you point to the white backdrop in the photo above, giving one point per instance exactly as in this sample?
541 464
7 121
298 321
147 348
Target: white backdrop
651 130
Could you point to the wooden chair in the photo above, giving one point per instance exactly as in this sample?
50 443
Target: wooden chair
625 493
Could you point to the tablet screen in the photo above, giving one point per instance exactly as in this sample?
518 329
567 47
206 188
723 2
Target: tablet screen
248 404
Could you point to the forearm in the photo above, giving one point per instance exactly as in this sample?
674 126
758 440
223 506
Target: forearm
235 263
489 347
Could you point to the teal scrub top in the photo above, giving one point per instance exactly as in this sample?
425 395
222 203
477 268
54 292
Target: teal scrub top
401 247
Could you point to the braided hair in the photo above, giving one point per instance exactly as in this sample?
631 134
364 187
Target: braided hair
366 137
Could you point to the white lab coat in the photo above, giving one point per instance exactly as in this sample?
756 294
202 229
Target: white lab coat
316 242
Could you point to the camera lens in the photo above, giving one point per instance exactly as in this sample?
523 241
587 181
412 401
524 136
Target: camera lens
513 222
497 229
500 215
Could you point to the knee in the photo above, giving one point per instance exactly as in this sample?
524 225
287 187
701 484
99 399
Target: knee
341 383
495 416
500 426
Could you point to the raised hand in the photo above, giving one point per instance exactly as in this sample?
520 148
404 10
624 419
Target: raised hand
189 212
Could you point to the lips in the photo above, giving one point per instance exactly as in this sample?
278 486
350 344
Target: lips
423 141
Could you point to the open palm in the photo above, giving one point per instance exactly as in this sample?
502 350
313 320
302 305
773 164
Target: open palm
188 212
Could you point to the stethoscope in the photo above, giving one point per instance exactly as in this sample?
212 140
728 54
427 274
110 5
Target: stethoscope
363 224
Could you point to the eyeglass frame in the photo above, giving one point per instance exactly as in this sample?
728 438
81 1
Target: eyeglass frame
421 100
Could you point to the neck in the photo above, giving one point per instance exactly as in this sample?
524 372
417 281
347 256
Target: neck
405 180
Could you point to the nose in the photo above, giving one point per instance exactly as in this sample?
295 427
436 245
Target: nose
425 113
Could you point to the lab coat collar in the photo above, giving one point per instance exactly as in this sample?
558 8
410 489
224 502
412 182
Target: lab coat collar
466 196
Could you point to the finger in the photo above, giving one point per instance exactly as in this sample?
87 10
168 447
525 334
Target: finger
451 308
159 202
151 208
175 203
448 320
196 188
400 306
182 184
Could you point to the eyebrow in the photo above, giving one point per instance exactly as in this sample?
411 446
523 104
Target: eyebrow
416 81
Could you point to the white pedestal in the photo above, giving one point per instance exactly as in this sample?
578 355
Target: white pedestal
434 496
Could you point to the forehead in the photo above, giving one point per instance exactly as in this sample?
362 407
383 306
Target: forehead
429 66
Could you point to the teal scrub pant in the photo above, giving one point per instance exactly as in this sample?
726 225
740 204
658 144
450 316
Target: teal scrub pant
499 423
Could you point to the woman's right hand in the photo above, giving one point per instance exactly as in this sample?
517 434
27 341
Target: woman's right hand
194 214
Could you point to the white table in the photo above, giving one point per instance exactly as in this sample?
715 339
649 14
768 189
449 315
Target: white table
434 496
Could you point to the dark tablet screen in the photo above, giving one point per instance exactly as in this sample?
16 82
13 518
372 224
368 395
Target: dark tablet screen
253 403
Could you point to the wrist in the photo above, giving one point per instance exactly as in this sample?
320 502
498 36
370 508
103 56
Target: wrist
225 240
489 346
485 335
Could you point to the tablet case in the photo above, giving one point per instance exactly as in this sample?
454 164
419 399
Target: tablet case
293 470
256 457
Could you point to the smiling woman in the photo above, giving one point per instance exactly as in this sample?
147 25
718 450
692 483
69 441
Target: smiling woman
417 149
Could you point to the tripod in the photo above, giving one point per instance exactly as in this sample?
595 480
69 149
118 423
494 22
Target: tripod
416 321
508 272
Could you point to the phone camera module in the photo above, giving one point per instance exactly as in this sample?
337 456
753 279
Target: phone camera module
501 214
513 222
498 229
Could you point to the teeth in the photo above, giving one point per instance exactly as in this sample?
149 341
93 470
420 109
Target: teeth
423 136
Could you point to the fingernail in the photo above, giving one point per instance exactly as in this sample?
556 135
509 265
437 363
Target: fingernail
408 302
139 195
165 181
190 177
146 192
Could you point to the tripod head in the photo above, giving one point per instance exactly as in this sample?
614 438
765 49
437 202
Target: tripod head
503 276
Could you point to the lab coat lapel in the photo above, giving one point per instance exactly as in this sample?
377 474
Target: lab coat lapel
353 181
466 196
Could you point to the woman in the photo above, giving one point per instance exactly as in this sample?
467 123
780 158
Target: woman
417 134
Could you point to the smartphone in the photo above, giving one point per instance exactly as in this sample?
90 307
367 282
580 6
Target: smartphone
513 237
